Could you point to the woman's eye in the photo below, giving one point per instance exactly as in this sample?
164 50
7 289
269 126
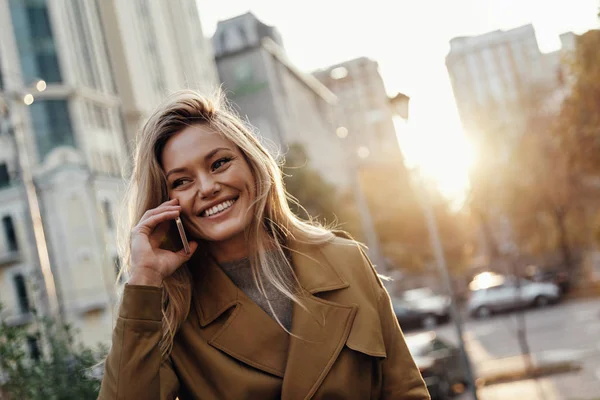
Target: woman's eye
219 163
178 182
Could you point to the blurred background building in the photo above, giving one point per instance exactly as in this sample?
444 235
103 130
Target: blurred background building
364 107
106 64
495 70
155 47
286 105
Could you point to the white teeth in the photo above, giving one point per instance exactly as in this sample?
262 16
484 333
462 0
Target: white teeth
218 208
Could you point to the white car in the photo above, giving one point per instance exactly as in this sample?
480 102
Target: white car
507 295
426 301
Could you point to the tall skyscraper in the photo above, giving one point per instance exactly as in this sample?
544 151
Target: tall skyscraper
493 73
490 71
155 47
106 64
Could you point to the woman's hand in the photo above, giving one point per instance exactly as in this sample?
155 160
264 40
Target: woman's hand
150 264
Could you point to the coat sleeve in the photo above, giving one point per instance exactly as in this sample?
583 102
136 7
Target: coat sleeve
401 377
134 368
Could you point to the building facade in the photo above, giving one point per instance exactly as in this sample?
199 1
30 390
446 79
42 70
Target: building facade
496 70
155 47
364 108
284 104
105 67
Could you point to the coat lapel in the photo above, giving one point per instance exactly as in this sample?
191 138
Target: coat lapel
246 333
320 331
234 324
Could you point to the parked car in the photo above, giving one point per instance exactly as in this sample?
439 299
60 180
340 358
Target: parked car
558 276
507 296
411 318
440 364
428 302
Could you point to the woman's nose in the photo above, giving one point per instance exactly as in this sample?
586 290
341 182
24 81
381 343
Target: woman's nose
208 187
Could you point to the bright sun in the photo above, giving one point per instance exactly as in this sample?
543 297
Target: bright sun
444 158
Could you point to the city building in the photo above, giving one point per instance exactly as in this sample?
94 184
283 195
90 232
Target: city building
284 104
155 47
77 78
492 73
364 108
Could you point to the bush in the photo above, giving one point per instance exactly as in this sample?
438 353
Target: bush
42 360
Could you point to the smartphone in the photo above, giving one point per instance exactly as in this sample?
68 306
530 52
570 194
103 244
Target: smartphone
186 245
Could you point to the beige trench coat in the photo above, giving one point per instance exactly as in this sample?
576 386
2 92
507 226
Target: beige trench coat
347 346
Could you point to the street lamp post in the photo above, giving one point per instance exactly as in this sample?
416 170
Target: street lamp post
399 105
15 101
354 157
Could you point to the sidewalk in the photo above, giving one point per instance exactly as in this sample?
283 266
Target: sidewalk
490 369
521 390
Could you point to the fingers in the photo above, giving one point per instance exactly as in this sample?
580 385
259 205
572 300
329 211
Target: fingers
150 223
167 205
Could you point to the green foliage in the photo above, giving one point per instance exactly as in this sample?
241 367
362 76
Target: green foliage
62 371
319 198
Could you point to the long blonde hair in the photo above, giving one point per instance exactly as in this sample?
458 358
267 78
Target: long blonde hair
147 189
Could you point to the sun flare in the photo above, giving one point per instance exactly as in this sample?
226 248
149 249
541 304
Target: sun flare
445 159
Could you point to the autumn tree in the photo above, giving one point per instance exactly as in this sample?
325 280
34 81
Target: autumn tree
579 117
397 210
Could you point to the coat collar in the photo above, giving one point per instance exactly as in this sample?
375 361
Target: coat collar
248 334
314 270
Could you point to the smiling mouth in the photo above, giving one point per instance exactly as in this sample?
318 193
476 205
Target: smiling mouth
219 208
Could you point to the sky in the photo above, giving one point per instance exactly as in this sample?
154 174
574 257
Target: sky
410 40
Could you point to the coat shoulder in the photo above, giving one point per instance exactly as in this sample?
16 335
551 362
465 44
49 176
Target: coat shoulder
349 258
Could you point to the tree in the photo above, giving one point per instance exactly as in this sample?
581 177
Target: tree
526 177
400 222
61 368
314 196
579 117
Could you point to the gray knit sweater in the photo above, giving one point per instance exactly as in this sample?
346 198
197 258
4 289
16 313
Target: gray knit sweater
240 274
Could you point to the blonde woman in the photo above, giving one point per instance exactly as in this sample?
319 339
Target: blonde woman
267 306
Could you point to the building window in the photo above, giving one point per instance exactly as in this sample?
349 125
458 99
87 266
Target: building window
100 116
4 175
149 37
34 348
52 125
35 42
243 74
108 216
22 296
1 78
88 63
10 233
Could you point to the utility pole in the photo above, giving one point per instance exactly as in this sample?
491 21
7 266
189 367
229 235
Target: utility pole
442 267
354 155
12 104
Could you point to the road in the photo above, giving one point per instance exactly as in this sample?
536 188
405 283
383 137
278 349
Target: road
563 332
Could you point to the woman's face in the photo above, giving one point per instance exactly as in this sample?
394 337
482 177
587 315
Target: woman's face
210 177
